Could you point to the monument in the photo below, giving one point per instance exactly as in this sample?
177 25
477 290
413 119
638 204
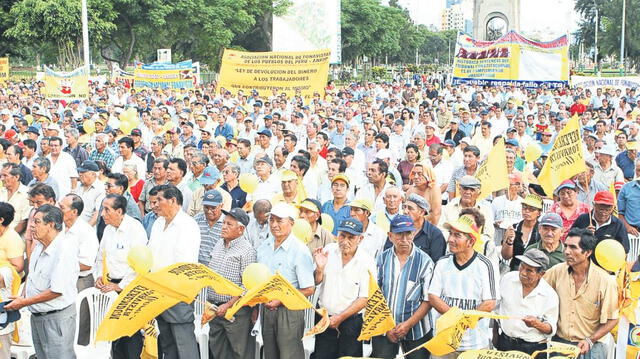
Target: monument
494 18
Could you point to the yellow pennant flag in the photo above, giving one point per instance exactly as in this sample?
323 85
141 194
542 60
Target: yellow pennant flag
150 348
492 173
322 325
566 158
377 315
105 269
149 295
612 189
275 288
450 329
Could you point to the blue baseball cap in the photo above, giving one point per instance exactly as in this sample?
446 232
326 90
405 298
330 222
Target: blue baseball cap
402 223
212 198
210 175
352 226
512 142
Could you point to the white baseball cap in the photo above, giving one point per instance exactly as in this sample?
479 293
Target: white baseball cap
284 210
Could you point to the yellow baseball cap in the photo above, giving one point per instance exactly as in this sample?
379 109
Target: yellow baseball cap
342 177
288 175
533 200
464 224
363 203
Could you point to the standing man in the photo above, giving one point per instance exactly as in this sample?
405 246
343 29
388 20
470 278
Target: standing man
465 279
41 169
210 222
337 208
588 297
230 257
16 194
91 190
175 238
344 274
50 290
525 294
63 167
126 147
159 171
284 252
404 275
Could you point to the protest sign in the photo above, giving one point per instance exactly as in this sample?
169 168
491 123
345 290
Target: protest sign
591 82
377 315
120 76
275 288
164 76
288 72
72 85
566 158
4 68
151 294
492 173
511 60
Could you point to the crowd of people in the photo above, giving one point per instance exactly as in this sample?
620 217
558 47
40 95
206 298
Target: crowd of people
391 164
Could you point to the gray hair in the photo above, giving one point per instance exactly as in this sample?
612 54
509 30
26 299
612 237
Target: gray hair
201 157
43 162
158 139
73 132
234 168
103 136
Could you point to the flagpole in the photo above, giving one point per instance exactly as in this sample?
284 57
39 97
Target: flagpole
85 36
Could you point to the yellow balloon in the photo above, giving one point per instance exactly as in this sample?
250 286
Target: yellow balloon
327 222
302 230
167 126
248 182
532 152
89 126
234 157
130 115
255 274
126 127
382 221
140 259
610 255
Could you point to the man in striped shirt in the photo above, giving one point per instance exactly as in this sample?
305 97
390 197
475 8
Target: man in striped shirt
404 273
467 280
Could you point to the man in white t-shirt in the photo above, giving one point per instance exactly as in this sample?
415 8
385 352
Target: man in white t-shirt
63 167
507 208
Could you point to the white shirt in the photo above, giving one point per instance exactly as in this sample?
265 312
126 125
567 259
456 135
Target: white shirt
266 189
542 302
91 197
179 242
53 268
342 285
116 243
141 167
85 239
373 240
62 171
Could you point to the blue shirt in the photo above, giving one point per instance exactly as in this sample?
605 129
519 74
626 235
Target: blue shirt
338 216
292 260
405 291
626 165
629 203
337 139
226 130
148 221
467 128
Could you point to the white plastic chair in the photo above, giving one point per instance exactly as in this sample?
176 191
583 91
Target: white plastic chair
309 322
256 331
24 349
201 331
634 250
99 304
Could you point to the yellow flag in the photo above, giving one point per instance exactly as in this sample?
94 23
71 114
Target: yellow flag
492 173
612 189
565 350
321 326
450 329
566 158
105 269
151 294
377 315
150 348
275 288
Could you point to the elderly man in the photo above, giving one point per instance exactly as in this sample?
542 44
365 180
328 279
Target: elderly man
16 194
268 183
258 228
408 296
91 190
311 210
40 170
50 290
282 251
177 338
344 274
525 294
230 257
469 192
121 234
550 232
588 297
210 222
337 208
465 279
159 177
393 198
606 170
602 222
63 167
231 175
289 183
102 151
76 151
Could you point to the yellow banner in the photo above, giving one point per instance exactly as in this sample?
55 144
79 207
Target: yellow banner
289 72
492 173
275 288
450 329
612 189
4 69
566 158
377 315
555 350
72 85
151 294
150 348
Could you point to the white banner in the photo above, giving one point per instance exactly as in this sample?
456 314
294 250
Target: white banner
309 25
615 82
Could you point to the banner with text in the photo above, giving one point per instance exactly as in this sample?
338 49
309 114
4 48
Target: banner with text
309 25
72 85
120 76
4 68
511 60
164 76
290 72
590 82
